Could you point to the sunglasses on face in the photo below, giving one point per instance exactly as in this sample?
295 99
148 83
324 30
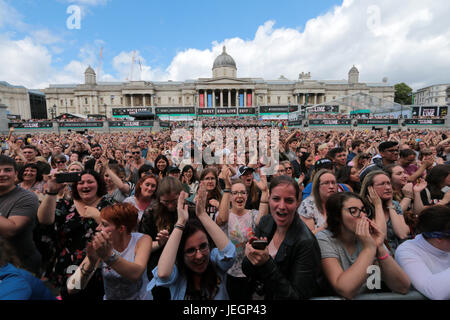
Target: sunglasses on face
59 162
136 152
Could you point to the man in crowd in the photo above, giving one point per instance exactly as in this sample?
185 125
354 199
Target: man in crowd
388 151
338 156
357 147
18 209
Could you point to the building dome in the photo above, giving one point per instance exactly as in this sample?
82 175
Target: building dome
89 70
353 70
224 60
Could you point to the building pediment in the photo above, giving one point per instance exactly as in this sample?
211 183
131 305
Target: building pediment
228 81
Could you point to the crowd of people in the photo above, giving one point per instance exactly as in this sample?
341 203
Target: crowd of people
120 216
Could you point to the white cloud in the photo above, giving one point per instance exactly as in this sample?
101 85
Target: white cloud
407 42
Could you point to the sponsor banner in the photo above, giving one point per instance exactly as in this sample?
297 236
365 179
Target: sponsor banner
175 110
415 111
206 111
273 109
425 121
31 125
13 116
119 112
328 122
377 121
249 111
431 111
164 124
226 111
324 109
443 111
88 124
295 123
142 123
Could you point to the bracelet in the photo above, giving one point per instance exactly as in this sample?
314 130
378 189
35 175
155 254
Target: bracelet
85 272
51 193
266 202
179 226
227 190
383 257
113 258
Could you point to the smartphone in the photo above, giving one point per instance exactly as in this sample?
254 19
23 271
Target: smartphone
68 177
259 244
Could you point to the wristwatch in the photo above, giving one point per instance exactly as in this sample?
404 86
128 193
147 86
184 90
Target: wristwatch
113 257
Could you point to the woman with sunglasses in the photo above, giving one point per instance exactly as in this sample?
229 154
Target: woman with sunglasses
426 259
192 266
351 243
59 162
239 224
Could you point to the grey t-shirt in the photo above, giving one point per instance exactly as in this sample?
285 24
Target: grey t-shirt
333 248
21 202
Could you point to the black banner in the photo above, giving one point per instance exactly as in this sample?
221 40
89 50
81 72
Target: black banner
431 111
30 125
128 111
274 109
175 110
247 111
293 108
13 116
415 111
324 109
294 123
206 111
142 123
378 121
164 124
443 111
222 111
324 122
86 124
425 121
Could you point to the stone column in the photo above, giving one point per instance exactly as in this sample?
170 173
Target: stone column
315 98
237 98
213 98
78 107
245 98
253 98
229 98
143 100
90 105
132 100
96 105
221 98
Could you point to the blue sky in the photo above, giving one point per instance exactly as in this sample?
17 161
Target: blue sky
178 40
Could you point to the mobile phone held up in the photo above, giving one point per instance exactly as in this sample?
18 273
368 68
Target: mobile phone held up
259 244
68 177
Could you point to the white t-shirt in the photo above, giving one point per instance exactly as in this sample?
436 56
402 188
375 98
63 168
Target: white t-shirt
427 267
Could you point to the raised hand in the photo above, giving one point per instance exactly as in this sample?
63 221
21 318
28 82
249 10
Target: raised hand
374 198
363 233
162 237
202 194
182 208
262 184
377 235
103 244
407 190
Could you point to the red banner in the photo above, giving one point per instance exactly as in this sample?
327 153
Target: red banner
202 100
249 99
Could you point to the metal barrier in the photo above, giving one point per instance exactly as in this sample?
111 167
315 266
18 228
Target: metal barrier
411 295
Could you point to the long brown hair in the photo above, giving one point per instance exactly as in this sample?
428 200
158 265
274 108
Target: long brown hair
216 193
163 220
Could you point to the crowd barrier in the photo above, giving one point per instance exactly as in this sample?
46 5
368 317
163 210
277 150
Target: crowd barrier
411 295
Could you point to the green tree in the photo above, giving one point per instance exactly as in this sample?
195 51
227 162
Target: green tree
403 94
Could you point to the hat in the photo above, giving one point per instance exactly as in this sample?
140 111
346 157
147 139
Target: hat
244 169
324 163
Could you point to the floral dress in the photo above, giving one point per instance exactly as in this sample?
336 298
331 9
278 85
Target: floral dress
67 239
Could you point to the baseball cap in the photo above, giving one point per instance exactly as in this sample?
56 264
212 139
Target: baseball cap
244 169
324 163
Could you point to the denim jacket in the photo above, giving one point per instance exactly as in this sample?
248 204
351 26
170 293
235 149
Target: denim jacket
177 283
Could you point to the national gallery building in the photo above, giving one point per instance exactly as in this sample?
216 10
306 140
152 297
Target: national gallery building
223 90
